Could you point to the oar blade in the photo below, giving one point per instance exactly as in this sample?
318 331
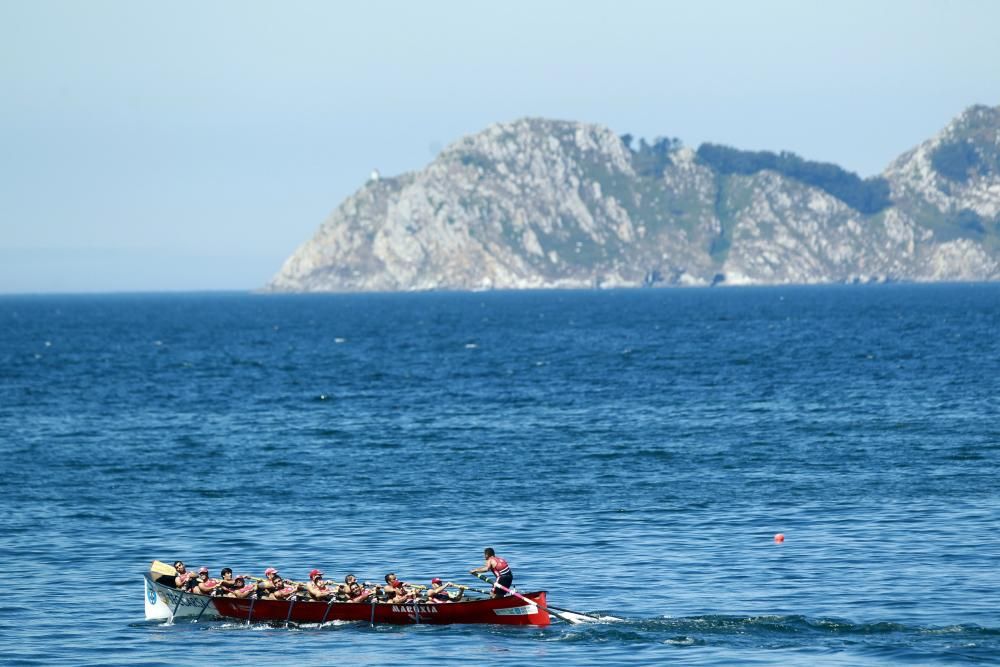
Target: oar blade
159 568
575 619
586 618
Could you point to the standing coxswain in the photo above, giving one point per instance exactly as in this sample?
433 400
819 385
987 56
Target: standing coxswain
500 569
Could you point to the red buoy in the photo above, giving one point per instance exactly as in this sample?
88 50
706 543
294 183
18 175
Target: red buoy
779 538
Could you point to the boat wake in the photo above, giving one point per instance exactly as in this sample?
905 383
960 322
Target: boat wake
766 632
794 632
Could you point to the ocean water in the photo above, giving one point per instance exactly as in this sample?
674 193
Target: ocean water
631 452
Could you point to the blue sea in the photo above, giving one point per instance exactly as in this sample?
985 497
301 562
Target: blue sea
633 453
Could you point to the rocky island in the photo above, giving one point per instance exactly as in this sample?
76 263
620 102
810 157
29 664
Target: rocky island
539 203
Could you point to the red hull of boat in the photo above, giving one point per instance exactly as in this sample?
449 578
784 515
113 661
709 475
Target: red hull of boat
165 602
504 611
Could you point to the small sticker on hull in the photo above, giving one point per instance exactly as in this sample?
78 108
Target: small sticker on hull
526 610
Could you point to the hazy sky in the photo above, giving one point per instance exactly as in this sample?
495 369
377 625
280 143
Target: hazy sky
194 145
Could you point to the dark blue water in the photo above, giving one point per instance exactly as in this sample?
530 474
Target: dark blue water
632 452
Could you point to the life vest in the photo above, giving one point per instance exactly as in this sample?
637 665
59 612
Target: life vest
499 567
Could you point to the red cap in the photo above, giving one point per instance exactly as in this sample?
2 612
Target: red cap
315 573
203 569
269 571
436 580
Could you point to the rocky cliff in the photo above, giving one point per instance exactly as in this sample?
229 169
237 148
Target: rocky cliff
545 204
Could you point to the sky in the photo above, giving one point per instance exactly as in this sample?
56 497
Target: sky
176 146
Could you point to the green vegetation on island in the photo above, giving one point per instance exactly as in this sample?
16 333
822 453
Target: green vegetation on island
957 160
869 196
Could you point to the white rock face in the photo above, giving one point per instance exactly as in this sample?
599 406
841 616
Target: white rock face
549 204
913 176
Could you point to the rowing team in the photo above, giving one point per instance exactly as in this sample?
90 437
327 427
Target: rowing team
274 587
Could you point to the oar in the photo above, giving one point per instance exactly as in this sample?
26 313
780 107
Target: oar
477 590
161 568
589 617
569 617
158 567
287 581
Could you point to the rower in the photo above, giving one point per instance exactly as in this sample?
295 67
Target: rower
281 591
227 583
244 590
500 569
205 585
355 592
317 588
190 584
395 593
270 574
342 592
182 574
438 594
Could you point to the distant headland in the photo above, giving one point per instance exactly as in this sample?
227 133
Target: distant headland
540 203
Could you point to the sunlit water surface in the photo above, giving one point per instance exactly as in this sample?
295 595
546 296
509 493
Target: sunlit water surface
632 452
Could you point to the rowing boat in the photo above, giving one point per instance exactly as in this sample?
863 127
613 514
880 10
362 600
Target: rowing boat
165 602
